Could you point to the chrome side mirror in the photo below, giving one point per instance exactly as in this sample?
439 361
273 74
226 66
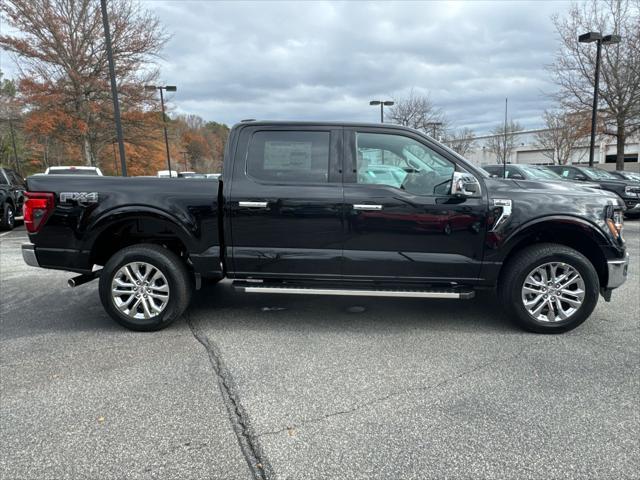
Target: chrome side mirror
465 185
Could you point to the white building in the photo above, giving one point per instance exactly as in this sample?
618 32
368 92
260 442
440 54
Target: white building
527 150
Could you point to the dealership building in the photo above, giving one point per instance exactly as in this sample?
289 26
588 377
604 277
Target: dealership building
527 150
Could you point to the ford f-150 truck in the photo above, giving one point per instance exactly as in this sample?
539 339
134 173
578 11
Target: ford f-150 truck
332 209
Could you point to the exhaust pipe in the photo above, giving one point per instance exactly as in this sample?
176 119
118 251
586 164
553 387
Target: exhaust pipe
82 279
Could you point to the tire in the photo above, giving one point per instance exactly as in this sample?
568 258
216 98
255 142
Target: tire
8 217
144 260
523 267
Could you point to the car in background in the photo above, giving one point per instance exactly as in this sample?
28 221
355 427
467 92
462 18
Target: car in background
529 172
628 190
213 175
12 188
167 174
625 175
73 170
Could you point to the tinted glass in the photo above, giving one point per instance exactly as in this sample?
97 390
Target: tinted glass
72 171
598 174
291 156
539 173
403 163
3 181
15 178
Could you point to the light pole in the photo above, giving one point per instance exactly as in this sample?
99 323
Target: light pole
114 87
382 104
168 88
600 40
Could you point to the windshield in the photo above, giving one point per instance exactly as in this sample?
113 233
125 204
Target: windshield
631 176
540 173
597 174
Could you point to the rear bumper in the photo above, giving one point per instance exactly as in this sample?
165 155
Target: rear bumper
29 255
56 258
617 271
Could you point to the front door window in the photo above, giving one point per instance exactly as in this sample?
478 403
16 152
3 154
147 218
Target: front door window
401 162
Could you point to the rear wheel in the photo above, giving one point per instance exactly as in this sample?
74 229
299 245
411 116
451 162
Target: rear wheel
8 217
549 288
145 287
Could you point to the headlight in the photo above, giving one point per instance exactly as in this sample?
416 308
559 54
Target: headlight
615 221
632 191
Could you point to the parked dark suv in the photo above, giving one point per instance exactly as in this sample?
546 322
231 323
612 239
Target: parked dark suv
529 172
12 188
628 190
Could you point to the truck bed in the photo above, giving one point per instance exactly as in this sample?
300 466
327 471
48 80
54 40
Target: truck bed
94 215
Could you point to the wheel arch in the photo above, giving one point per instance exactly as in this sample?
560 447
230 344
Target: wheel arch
122 228
573 232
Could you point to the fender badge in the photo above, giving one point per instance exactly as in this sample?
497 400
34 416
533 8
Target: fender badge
80 197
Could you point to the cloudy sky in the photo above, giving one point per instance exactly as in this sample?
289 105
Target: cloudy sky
326 60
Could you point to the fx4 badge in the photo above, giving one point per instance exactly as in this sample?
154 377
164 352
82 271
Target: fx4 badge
80 197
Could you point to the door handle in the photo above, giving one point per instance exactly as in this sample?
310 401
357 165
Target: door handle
253 204
366 206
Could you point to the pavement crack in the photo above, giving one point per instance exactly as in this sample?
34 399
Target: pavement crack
248 441
399 393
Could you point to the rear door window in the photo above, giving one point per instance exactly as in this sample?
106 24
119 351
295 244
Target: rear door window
289 156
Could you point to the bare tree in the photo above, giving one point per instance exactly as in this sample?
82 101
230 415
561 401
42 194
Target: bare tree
562 135
573 69
462 141
63 62
502 143
417 111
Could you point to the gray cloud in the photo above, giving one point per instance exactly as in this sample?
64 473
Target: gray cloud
325 60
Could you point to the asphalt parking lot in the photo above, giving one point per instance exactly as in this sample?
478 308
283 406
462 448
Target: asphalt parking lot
251 386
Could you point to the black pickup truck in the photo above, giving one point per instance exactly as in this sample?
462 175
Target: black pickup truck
332 209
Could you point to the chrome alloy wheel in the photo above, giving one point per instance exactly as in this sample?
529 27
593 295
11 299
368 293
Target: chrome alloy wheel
553 292
140 290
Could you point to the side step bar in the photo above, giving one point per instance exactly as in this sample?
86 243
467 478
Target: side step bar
355 292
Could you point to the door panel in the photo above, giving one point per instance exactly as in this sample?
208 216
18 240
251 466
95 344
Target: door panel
409 236
286 203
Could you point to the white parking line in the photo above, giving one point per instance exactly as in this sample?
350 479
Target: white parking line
5 233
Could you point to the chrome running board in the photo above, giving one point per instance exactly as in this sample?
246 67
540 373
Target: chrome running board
356 292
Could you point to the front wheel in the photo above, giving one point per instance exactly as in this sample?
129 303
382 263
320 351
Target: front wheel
549 288
145 287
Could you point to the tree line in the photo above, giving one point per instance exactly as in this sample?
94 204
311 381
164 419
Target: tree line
59 111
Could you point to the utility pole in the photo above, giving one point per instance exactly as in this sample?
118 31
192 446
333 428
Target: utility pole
168 88
504 144
114 86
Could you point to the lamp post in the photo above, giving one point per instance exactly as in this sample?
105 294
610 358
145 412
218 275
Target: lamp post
600 40
382 104
168 88
114 87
